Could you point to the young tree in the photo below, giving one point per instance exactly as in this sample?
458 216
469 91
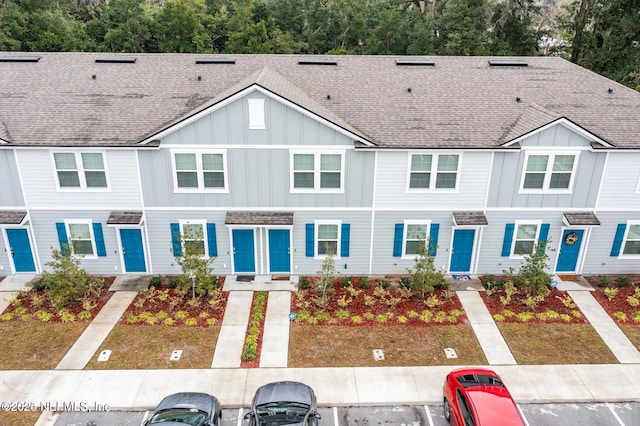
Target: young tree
67 282
196 266
325 284
425 278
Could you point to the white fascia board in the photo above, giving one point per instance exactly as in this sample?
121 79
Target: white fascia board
567 123
240 94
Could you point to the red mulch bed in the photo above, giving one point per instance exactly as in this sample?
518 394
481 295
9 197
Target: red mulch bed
619 302
256 362
33 301
382 305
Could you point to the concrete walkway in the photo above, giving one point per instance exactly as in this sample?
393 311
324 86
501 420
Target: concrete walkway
491 341
90 340
275 339
233 330
610 333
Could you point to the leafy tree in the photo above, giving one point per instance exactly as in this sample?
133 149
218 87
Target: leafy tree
532 276
462 28
128 26
196 267
425 278
180 27
386 29
513 32
325 283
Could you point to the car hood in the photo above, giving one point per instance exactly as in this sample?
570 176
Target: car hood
197 400
494 406
285 391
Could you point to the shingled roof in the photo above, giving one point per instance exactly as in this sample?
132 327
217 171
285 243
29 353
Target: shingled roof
67 99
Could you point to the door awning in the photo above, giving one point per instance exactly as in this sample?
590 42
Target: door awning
259 218
124 218
14 217
581 219
469 218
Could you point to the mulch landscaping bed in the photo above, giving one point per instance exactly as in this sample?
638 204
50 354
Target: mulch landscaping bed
255 331
622 303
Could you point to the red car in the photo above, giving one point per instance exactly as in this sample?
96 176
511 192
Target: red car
477 397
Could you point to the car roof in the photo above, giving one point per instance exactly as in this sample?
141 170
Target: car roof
494 406
284 391
198 400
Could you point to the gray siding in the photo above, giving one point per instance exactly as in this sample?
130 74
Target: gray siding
620 185
10 191
556 136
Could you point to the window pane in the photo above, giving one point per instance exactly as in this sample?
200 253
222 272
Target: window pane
420 163
327 232
303 162
66 161
96 179
212 162
416 232
634 232
446 180
563 163
327 247
523 247
632 247
412 247
185 161
560 180
79 231
526 232
419 180
537 163
92 161
187 180
194 246
533 180
213 179
330 162
192 232
82 247
447 163
302 180
329 180
69 179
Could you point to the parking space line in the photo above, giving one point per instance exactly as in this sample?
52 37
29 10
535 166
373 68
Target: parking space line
426 408
335 416
240 410
526 422
611 408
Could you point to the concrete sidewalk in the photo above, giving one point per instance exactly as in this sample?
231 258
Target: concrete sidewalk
233 330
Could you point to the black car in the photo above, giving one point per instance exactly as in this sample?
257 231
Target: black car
186 408
283 404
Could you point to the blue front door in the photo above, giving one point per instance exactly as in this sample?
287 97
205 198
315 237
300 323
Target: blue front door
279 250
132 250
21 250
569 250
243 251
462 250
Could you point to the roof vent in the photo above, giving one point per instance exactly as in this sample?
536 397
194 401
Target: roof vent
506 63
116 60
317 62
412 63
19 58
216 61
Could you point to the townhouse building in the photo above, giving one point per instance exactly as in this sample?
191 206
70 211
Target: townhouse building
270 162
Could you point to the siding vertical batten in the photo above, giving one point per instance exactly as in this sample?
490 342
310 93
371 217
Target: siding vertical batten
373 210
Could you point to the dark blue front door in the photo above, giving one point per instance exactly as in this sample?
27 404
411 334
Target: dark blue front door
132 250
462 250
243 251
279 250
569 250
21 250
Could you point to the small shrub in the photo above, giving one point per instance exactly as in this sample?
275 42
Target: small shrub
565 317
322 315
155 281
203 315
552 314
43 315
498 317
191 322
84 315
212 321
603 281
194 303
343 302
413 314
623 281
393 301
161 315
380 318
174 282
576 314
405 282
368 315
455 312
356 319
426 316
345 282
507 313
432 301
304 283
567 301
8 316
440 317
342 314
621 316
405 292
532 301
66 316
384 283
525 316
636 316
610 293
633 301
380 292
181 315
365 283
169 321
369 300
37 300
402 319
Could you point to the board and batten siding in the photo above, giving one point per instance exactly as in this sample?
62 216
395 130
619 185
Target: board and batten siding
393 172
40 188
10 190
621 182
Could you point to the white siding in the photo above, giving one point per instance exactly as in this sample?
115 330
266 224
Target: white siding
620 183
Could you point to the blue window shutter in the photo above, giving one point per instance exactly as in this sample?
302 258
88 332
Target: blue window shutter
97 234
213 241
397 239
62 238
617 240
175 239
344 242
433 239
309 240
508 239
542 238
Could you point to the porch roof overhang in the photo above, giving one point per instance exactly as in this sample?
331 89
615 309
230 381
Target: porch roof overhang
258 218
469 218
12 217
580 219
124 218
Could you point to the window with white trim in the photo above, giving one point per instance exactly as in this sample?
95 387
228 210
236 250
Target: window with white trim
80 170
256 113
327 238
193 237
632 240
423 168
320 171
416 234
81 240
199 171
551 172
525 238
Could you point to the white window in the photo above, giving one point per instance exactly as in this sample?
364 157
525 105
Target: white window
632 240
256 113
327 238
549 172
193 235
416 235
199 171
320 171
81 238
80 170
433 171
525 238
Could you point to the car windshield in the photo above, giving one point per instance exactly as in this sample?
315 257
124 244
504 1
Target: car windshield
281 413
188 416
